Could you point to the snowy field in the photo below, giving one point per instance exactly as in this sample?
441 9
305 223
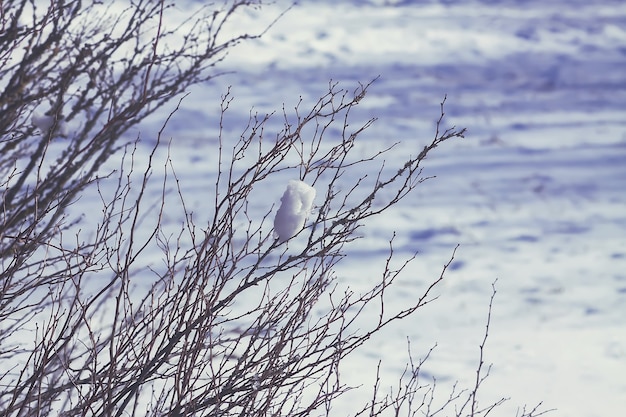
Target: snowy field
535 194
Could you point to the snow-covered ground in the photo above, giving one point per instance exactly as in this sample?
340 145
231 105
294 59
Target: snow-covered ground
535 194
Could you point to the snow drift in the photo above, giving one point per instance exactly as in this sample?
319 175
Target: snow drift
295 206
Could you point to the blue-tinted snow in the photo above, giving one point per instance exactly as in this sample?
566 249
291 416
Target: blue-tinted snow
535 194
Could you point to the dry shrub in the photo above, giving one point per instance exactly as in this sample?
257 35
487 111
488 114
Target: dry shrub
232 321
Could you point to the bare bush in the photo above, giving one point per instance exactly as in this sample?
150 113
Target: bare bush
232 321
88 72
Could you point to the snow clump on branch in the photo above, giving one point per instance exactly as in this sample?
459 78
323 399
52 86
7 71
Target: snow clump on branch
296 204
45 122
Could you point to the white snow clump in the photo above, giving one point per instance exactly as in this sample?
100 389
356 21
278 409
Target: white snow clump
295 206
44 123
